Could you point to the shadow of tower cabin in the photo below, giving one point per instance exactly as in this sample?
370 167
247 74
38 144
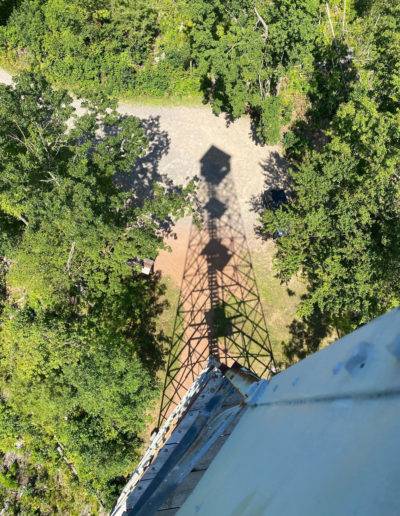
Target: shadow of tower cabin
219 311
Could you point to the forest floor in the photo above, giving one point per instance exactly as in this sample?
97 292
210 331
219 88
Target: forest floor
231 170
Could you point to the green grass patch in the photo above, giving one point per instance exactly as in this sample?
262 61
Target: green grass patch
167 318
279 301
167 101
165 323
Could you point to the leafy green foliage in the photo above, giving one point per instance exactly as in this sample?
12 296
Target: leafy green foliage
345 217
270 120
80 349
245 51
85 41
246 56
34 461
110 44
296 143
6 8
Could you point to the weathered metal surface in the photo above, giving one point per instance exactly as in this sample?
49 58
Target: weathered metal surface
186 443
241 379
206 428
161 438
321 439
178 496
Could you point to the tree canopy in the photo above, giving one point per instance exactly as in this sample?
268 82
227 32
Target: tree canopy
245 56
344 219
79 345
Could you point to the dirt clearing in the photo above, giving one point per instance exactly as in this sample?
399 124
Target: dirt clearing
230 303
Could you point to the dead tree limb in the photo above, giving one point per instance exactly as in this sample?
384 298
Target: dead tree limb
71 254
260 86
344 18
260 19
330 21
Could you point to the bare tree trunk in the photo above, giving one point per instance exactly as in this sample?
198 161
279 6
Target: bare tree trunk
279 85
344 18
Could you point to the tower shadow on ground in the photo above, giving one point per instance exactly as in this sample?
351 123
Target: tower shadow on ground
219 310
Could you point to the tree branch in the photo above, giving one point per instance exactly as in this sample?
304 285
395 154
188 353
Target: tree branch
262 23
71 254
25 144
53 177
260 86
330 21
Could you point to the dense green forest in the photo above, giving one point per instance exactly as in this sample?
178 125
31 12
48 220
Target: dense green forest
344 217
79 345
260 58
267 59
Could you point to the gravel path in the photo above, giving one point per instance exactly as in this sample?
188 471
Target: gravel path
181 136
5 77
192 131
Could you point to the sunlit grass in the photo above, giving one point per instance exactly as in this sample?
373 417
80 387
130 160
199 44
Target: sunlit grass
279 301
167 101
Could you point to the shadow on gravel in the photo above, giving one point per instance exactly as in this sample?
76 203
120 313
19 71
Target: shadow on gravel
145 173
219 310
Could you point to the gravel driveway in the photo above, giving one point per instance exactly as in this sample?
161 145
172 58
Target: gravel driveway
181 136
188 133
